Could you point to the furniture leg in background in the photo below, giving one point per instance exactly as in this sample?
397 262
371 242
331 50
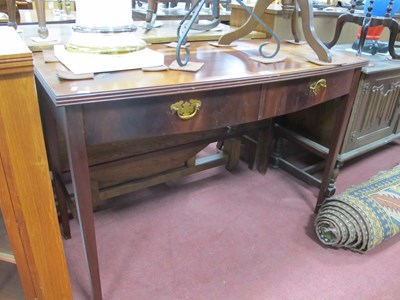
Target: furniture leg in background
13 15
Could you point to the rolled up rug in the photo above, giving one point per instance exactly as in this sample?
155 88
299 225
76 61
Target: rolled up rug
363 216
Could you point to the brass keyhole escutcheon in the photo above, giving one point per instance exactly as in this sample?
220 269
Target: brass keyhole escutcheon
318 86
186 109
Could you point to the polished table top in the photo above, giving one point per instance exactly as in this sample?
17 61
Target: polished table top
223 68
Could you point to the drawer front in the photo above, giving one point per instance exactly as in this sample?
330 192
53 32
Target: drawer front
294 95
123 120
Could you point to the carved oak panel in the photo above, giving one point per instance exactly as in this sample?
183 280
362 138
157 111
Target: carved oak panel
376 110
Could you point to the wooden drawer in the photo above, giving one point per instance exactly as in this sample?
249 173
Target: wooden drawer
294 95
137 118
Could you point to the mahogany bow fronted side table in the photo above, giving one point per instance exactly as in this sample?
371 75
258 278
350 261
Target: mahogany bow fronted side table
230 95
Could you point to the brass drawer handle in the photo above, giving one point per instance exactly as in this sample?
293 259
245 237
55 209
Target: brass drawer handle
318 86
186 110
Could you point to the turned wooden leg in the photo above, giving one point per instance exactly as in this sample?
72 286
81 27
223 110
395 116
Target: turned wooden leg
295 23
12 13
276 152
151 12
331 190
40 10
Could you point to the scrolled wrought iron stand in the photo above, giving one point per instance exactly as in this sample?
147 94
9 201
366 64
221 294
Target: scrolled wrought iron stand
254 17
190 21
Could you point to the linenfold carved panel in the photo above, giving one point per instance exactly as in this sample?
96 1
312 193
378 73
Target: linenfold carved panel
378 107
381 106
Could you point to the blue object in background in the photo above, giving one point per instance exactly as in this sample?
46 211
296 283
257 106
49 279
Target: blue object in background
380 6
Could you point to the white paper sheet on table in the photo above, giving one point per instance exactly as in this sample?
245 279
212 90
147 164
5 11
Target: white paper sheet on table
80 63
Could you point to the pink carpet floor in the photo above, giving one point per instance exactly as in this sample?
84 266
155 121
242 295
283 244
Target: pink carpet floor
233 235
